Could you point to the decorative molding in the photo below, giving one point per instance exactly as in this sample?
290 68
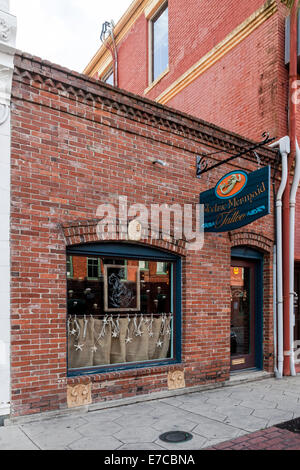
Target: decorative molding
176 380
5 84
256 240
85 231
219 51
79 395
8 33
91 92
4 30
4 113
152 7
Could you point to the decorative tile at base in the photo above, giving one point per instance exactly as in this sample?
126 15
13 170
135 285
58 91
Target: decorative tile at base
176 380
79 395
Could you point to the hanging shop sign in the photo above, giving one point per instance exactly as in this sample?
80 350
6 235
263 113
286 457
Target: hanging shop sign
238 199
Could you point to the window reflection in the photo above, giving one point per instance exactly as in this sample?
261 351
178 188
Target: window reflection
119 310
160 44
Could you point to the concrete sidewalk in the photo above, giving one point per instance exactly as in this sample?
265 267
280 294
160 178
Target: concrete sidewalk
212 416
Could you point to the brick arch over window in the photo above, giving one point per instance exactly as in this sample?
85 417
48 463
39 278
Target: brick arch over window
251 239
85 231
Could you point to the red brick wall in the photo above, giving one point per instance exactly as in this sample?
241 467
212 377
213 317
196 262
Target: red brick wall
246 91
240 91
133 58
77 144
193 32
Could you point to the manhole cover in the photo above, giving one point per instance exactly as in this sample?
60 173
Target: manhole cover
176 436
292 426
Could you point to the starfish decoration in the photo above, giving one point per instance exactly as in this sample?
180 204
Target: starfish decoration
94 349
73 332
79 347
128 340
159 344
115 334
138 333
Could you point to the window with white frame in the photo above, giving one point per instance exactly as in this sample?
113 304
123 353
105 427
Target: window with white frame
159 42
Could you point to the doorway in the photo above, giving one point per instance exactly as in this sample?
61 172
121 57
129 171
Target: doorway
246 339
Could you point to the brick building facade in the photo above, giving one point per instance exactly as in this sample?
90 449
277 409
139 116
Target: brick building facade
77 143
226 64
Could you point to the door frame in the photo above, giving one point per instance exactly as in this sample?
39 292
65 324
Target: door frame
251 255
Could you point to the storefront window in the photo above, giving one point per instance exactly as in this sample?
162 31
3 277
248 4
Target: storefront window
120 311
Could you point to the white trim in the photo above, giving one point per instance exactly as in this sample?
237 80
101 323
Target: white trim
7 49
159 7
153 7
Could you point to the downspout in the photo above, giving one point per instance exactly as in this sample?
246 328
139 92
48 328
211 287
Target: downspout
275 311
284 147
286 195
292 254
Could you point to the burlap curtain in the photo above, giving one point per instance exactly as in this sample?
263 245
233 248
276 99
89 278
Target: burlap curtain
93 342
82 342
137 347
102 343
154 338
118 345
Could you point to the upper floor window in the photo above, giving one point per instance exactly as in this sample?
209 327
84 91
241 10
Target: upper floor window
159 42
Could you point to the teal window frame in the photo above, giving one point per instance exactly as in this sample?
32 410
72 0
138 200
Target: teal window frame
129 251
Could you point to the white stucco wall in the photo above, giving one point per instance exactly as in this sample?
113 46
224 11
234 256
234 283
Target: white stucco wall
7 49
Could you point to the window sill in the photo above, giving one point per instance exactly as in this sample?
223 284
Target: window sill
129 372
158 79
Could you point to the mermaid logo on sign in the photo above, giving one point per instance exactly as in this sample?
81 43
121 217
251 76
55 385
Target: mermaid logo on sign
231 184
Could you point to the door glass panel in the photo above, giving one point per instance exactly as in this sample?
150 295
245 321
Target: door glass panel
240 311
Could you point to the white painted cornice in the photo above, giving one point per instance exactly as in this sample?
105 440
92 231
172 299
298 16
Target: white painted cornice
8 30
8 33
